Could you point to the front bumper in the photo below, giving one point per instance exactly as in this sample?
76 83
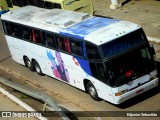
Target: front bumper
130 94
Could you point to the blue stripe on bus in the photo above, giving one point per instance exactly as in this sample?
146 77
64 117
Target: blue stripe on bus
84 65
84 28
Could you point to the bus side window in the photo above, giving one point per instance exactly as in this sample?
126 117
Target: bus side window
76 47
63 43
145 54
37 36
25 33
103 76
67 45
92 52
49 40
6 27
14 30
93 69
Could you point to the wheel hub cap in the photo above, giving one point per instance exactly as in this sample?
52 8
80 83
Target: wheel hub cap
92 91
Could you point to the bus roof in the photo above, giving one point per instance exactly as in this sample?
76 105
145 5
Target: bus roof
82 26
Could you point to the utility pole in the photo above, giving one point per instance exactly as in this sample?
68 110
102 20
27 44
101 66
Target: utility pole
115 4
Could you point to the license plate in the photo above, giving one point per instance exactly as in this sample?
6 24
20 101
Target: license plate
139 91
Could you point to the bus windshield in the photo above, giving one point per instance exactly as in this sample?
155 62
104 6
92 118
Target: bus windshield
123 44
130 66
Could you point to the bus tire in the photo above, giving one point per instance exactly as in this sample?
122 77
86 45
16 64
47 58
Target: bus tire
28 64
37 68
92 91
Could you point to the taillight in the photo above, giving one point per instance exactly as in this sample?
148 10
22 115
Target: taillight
121 92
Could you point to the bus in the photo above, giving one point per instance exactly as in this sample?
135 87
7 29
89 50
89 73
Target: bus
85 6
3 7
109 59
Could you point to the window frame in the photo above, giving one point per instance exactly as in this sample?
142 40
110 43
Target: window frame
13 31
40 35
99 51
82 48
6 31
10 30
63 45
30 32
46 40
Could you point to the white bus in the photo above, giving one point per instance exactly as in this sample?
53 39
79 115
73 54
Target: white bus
108 58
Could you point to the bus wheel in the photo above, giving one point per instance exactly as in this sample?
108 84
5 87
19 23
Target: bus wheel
28 63
92 91
37 68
